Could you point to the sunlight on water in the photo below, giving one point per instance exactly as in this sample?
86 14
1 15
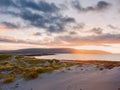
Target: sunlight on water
108 57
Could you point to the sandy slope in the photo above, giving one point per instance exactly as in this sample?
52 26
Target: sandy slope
87 77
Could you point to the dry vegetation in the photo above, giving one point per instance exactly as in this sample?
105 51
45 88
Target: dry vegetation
25 67
105 64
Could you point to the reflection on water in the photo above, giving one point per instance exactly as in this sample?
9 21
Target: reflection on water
109 57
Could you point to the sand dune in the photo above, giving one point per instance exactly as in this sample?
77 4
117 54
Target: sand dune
87 77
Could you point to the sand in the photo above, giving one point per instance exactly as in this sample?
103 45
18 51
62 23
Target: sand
87 77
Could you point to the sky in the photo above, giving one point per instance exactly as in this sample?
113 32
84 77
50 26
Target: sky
80 24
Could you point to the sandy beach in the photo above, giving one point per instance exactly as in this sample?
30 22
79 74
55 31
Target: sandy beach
86 77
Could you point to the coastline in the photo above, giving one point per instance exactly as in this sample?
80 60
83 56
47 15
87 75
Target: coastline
60 74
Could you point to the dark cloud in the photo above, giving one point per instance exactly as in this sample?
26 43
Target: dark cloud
93 39
37 34
73 33
6 3
101 5
51 18
40 6
10 39
10 25
6 40
96 31
79 26
47 21
113 27
76 4
21 4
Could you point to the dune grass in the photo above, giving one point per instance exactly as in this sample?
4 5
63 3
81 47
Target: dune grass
105 64
4 57
9 78
26 67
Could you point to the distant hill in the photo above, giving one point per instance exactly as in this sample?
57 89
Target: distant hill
35 51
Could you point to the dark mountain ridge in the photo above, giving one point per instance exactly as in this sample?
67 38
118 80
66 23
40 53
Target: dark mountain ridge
39 51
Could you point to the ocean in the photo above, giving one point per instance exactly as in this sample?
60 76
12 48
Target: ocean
103 57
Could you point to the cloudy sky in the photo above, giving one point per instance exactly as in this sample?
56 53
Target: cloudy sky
82 24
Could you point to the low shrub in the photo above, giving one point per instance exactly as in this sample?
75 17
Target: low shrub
30 75
48 69
9 78
5 57
1 75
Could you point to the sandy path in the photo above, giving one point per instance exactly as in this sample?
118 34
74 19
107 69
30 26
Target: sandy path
78 78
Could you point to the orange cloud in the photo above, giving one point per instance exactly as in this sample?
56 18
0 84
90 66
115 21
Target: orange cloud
2 28
7 38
